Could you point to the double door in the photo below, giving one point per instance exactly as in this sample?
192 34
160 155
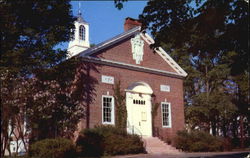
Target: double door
139 114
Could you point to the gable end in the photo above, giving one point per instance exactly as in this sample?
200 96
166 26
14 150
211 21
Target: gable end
164 55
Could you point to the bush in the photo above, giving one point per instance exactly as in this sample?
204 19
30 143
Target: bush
197 141
119 145
90 143
107 140
227 144
236 142
53 148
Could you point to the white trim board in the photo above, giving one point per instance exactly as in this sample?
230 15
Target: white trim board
164 55
131 67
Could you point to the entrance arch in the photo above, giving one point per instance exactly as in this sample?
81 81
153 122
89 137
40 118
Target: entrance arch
138 103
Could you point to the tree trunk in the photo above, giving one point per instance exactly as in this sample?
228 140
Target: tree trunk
17 144
224 129
207 83
241 132
4 145
213 124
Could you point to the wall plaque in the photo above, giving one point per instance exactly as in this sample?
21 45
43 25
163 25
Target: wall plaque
165 88
107 79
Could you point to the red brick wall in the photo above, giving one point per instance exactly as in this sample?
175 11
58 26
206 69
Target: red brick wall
127 77
122 52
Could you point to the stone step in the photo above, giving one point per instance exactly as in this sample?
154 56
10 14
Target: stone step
156 146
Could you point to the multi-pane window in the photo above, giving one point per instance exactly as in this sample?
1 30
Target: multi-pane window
140 102
82 32
166 114
108 109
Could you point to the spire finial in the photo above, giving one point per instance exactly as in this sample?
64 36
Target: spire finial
79 8
79 16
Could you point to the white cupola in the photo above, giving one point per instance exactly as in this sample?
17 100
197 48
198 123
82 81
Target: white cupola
80 39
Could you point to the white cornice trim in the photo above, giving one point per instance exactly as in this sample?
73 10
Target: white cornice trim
78 46
147 38
164 55
131 66
171 61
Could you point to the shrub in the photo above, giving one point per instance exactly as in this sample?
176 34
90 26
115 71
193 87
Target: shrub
90 143
120 144
236 142
227 144
53 148
107 140
197 141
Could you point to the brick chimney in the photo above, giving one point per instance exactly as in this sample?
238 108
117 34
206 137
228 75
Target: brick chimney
131 23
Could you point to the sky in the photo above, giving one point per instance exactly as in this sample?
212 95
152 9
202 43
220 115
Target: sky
105 21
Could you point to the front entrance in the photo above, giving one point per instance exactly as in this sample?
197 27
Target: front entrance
138 103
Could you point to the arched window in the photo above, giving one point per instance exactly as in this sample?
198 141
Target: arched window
72 35
82 32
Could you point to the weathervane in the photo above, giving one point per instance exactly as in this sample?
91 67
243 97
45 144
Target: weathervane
79 8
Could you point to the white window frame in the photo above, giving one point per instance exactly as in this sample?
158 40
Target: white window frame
170 116
82 31
112 110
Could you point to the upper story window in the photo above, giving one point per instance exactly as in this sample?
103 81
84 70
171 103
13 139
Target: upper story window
166 114
82 32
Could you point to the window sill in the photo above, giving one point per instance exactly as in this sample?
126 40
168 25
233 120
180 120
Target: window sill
108 123
166 127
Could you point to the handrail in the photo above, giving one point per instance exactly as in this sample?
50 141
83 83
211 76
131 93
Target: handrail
131 129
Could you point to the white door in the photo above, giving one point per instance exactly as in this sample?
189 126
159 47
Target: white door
139 114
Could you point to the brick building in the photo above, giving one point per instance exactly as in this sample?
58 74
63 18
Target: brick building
147 76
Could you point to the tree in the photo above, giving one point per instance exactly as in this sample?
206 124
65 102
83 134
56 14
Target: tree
52 103
119 3
209 39
30 34
13 92
30 31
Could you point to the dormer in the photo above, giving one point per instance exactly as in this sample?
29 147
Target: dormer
80 40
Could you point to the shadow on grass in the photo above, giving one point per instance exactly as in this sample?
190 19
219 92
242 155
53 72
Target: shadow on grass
229 155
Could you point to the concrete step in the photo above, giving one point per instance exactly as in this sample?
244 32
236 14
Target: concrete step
156 146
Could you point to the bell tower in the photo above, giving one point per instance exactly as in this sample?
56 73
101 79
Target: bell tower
80 40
